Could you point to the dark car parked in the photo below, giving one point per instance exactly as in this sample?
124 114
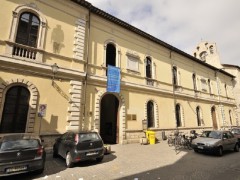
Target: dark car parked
79 146
21 153
215 141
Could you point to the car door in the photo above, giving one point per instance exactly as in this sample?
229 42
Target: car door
69 143
225 141
232 140
62 145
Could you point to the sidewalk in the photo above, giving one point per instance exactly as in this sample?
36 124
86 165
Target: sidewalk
125 160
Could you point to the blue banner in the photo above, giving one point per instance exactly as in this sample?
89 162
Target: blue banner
113 79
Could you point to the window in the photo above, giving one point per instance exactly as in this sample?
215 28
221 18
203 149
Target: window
15 111
150 114
211 50
194 82
148 67
203 56
27 35
174 72
209 86
198 116
178 115
204 84
230 117
28 27
133 63
110 55
226 89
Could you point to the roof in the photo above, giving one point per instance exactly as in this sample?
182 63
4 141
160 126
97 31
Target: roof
135 30
231 66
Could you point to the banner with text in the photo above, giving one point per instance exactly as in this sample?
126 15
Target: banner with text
113 79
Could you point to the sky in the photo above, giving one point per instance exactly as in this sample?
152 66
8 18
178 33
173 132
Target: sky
184 23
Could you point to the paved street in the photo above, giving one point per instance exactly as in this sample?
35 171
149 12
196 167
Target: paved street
135 162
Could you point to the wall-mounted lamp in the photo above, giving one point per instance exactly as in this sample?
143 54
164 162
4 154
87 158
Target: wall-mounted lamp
54 70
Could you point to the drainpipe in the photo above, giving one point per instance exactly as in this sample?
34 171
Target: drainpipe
86 66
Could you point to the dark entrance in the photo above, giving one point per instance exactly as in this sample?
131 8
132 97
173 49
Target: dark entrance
109 119
15 110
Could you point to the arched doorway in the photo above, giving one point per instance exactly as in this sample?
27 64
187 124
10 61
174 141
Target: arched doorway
214 119
109 129
15 111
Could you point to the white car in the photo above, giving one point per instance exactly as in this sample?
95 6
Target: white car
215 141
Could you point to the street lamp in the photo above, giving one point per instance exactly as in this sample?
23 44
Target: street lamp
54 70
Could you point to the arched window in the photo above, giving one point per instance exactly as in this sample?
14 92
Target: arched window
150 114
226 90
174 72
178 115
110 55
203 56
211 49
27 32
230 117
148 67
15 111
194 82
209 86
198 116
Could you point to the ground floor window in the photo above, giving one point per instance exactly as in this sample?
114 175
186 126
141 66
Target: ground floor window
15 110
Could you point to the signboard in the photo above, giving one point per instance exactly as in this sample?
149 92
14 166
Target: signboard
113 79
42 110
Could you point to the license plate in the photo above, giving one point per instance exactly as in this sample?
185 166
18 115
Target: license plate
200 147
91 153
16 169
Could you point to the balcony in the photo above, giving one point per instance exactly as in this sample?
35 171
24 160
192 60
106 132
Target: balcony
24 52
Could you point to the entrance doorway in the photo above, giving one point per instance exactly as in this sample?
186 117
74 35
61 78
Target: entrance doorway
214 119
109 125
15 111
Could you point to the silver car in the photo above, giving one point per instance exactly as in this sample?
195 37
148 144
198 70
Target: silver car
215 141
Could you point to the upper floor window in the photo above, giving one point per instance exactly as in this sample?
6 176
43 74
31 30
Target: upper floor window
111 55
148 67
27 32
194 82
209 86
226 89
203 56
174 72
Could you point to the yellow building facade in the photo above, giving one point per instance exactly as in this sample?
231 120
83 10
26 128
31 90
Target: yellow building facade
53 76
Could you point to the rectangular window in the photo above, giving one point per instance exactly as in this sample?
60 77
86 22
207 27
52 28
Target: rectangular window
204 84
132 63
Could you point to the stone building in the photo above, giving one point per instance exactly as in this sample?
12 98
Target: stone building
55 56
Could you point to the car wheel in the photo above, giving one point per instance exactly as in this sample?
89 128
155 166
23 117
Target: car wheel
99 159
236 148
69 162
40 171
220 151
195 150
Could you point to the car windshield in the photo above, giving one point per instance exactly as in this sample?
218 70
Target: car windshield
88 137
212 134
18 144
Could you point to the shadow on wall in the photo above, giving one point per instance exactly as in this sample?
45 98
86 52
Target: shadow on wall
57 38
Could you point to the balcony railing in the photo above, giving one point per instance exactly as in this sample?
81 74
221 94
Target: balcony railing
24 51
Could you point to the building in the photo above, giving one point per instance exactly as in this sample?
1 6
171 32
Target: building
55 56
208 53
